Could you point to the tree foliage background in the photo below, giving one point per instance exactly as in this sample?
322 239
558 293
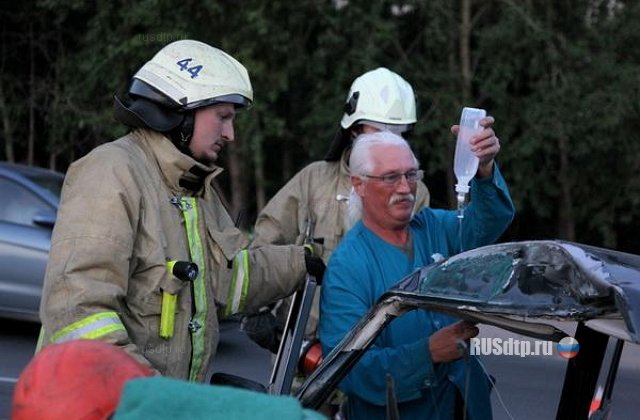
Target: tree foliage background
561 78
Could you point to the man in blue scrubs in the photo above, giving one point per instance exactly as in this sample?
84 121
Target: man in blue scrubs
421 349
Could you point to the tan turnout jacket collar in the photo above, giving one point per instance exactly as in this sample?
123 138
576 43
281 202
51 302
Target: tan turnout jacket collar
181 173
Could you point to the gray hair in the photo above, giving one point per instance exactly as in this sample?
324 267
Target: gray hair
361 161
361 164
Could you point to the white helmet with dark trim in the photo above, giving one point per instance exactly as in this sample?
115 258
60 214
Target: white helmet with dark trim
183 76
380 96
192 74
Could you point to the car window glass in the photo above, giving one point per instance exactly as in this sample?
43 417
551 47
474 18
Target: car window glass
17 204
48 182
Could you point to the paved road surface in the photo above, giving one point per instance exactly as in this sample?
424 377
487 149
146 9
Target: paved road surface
529 387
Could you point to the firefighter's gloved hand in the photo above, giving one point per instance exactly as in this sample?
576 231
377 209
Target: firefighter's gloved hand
315 265
314 249
263 329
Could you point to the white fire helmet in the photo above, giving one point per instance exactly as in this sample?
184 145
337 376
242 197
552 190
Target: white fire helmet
380 96
190 74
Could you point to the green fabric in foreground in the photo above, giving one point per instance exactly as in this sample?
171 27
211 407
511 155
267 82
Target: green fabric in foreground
165 398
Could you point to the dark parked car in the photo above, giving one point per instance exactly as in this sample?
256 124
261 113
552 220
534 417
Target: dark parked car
28 205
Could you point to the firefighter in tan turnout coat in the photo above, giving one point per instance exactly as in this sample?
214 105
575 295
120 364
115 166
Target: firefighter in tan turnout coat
377 100
143 254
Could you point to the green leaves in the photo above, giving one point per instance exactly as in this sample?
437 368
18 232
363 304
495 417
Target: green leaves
561 78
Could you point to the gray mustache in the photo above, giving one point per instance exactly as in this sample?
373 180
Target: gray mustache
396 198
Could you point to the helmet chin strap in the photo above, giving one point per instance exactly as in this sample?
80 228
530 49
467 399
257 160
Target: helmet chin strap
181 136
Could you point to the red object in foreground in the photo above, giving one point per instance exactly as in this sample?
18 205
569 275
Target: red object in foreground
311 359
79 379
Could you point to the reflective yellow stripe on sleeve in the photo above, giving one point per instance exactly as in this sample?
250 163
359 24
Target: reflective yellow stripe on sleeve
236 300
91 327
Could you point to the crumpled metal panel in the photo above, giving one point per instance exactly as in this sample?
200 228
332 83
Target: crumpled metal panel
532 279
515 286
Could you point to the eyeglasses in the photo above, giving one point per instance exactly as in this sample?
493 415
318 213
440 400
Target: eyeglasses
412 177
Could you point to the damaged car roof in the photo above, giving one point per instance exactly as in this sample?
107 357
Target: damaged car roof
508 284
515 286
